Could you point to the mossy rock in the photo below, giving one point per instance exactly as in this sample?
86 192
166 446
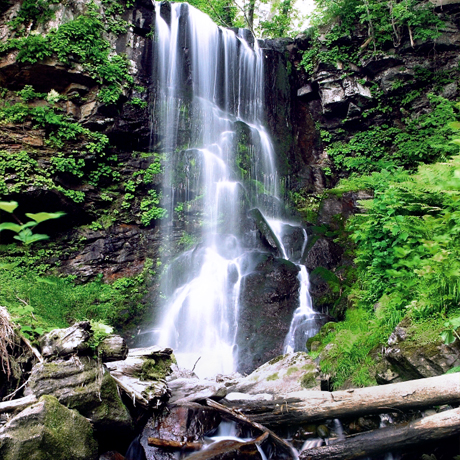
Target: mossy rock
47 430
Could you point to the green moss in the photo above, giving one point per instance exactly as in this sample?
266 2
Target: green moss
155 369
291 370
308 381
274 376
276 360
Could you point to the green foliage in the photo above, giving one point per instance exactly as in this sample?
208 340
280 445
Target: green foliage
279 25
79 40
150 209
422 139
222 12
32 12
23 232
387 23
408 244
100 332
42 303
350 360
138 102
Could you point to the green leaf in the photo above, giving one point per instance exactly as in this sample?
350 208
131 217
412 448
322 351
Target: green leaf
448 337
27 237
8 206
454 124
42 216
453 370
10 226
455 322
10 266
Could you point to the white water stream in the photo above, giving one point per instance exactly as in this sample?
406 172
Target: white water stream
211 79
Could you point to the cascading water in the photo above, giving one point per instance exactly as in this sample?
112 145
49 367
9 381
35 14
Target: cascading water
209 89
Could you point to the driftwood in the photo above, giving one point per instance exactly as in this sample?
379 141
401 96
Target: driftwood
21 403
278 442
176 445
236 450
311 406
431 428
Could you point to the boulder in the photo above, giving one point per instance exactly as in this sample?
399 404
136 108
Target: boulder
85 385
408 359
269 296
47 430
64 342
284 374
265 232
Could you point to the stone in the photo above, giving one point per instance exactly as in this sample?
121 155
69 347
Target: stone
284 374
192 390
64 342
407 359
47 430
305 90
353 110
332 95
112 348
269 295
188 421
265 232
85 385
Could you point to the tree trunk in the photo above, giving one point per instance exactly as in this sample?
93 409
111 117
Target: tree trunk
310 406
433 428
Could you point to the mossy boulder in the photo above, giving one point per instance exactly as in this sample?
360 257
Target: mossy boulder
416 350
85 385
283 374
47 430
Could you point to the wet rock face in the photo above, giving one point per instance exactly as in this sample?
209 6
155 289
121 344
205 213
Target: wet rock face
268 298
187 422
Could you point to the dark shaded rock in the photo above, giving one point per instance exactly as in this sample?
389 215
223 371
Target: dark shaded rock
112 348
265 233
64 342
185 422
268 298
294 241
46 430
324 253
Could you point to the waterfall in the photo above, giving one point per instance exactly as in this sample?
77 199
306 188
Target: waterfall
208 126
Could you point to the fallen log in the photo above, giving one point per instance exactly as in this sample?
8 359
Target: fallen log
280 444
176 445
311 406
16 404
432 428
231 449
